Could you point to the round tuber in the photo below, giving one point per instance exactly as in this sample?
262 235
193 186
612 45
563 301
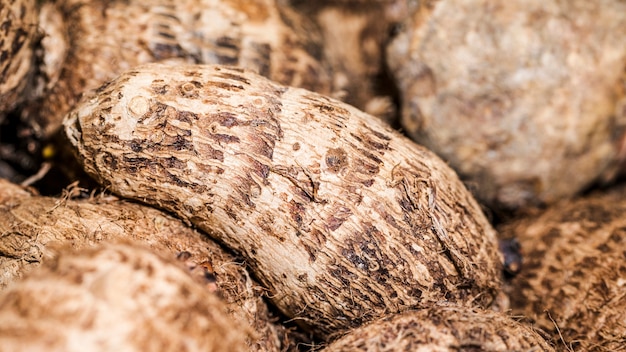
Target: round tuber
525 99
32 226
442 328
573 280
115 298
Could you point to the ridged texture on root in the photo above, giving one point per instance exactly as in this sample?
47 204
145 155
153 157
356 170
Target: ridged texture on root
18 33
108 37
115 298
32 226
573 280
442 327
355 34
342 218
524 98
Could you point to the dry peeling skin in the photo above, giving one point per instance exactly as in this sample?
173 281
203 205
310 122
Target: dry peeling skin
108 37
519 96
342 218
442 328
18 29
114 298
31 226
574 274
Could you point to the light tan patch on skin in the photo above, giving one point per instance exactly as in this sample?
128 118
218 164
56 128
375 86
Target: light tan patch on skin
138 106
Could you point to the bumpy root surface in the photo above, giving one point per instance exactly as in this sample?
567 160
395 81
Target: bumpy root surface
32 226
115 298
442 328
573 278
524 98
340 217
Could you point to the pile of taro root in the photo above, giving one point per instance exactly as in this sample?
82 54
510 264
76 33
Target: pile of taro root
289 175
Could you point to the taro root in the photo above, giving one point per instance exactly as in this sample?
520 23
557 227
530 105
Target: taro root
342 218
31 225
115 298
522 98
18 33
573 280
442 327
52 49
355 33
107 37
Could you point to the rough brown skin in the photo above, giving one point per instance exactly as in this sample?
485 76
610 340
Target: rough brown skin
572 282
620 111
115 298
108 37
18 32
31 226
52 49
521 97
341 217
355 34
442 327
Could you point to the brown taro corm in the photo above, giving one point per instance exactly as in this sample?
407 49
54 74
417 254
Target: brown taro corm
525 99
342 218
355 34
115 297
18 33
32 226
444 328
100 39
573 280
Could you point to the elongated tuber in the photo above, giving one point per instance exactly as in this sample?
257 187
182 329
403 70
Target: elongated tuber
105 38
339 216
18 24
